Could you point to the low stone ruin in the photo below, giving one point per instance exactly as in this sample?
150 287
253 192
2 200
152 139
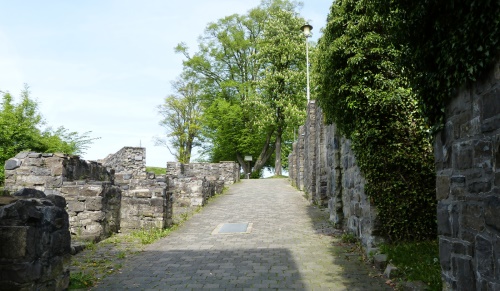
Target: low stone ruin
93 202
193 184
145 202
35 242
116 193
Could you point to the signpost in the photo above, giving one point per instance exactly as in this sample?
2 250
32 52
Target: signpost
248 159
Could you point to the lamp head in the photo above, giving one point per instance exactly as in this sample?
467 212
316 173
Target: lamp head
306 29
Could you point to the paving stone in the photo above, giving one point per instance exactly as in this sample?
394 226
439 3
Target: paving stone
287 249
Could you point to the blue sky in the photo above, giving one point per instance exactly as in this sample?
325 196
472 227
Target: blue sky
104 65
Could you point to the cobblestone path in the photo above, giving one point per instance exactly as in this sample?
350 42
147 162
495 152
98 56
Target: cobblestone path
288 246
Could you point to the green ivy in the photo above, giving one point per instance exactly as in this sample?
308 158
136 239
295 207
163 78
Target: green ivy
384 72
361 87
448 44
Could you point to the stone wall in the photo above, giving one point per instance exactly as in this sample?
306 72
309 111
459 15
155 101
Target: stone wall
226 171
325 165
193 184
35 242
93 202
146 203
467 155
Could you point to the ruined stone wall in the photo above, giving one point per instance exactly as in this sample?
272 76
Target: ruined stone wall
145 200
467 155
47 172
35 242
93 203
229 172
332 177
193 184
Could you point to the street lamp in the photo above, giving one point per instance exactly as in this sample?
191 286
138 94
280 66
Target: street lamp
306 29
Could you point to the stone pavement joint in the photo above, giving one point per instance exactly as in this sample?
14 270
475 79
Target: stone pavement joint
291 247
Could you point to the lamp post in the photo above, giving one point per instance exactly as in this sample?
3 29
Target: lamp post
306 29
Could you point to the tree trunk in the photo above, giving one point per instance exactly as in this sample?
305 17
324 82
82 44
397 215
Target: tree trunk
245 165
277 162
265 154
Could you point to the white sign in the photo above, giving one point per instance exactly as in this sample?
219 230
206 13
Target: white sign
248 158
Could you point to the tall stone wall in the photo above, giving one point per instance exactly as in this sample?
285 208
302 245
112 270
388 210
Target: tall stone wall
467 155
310 158
93 203
325 164
35 242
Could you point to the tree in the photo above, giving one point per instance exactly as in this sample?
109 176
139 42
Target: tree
282 83
21 125
235 62
181 118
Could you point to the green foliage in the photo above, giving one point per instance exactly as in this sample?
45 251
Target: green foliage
462 40
21 130
156 170
251 68
181 118
257 174
348 237
416 261
360 87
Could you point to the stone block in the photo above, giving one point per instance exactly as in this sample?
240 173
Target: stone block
141 193
94 204
33 180
89 191
29 193
484 257
472 216
12 164
76 206
58 200
462 156
491 104
443 219
479 187
445 248
14 242
464 273
380 261
491 213
442 187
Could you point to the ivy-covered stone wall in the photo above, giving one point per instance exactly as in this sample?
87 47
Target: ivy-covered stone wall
467 155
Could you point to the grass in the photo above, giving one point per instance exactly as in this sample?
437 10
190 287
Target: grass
81 280
106 257
416 261
149 236
156 170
